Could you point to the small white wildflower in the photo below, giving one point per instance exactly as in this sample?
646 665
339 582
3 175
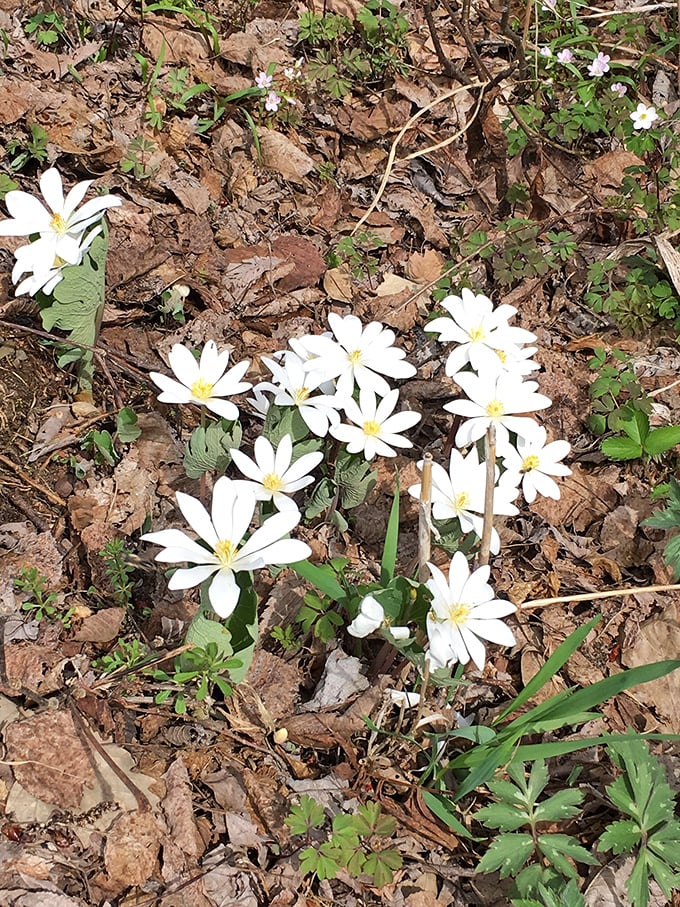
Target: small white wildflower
272 102
600 65
643 117
264 80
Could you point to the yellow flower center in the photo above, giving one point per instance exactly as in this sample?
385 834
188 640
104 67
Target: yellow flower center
202 389
477 334
495 409
354 357
225 552
502 355
58 262
459 614
300 394
58 224
461 501
372 428
272 482
530 462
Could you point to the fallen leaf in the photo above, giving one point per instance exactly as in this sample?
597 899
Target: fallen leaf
281 154
337 282
131 849
425 267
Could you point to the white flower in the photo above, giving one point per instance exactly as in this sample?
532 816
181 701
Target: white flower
273 477
259 401
494 401
643 117
272 102
403 698
565 56
618 88
375 428
357 355
293 386
32 258
516 360
545 52
371 616
459 494
600 65
534 462
463 612
232 511
204 382
479 331
264 80
61 228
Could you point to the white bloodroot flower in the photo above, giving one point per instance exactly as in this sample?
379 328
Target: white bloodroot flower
272 476
205 382
61 224
358 355
494 400
294 386
223 532
464 611
459 494
375 428
534 462
480 331
643 117
371 616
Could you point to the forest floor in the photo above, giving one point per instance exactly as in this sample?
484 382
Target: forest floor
374 196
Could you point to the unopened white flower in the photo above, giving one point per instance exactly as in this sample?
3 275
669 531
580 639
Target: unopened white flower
459 494
293 385
358 355
479 331
260 401
545 52
496 400
272 476
643 117
464 611
403 698
534 462
223 532
371 616
204 382
375 429
61 224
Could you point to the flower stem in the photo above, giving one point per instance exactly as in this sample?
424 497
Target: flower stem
424 520
490 459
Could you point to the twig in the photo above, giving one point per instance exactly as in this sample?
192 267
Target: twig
487 528
391 159
45 492
449 69
593 596
424 521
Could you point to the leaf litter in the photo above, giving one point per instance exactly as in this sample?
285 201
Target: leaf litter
249 229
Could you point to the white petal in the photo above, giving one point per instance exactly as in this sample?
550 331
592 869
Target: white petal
183 364
224 593
193 576
197 517
52 189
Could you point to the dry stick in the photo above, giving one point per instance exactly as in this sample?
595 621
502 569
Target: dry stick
391 159
487 528
424 521
593 596
50 495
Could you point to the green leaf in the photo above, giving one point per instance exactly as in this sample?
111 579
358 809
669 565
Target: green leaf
314 862
637 885
323 578
662 439
355 478
503 816
557 848
621 448
620 836
637 428
441 807
321 498
389 556
305 815
507 854
208 448
126 425
562 805
381 865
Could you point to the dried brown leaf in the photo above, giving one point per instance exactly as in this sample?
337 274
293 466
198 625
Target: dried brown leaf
131 849
281 154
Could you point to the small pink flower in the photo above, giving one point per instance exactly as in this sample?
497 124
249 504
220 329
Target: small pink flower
545 52
264 80
272 102
549 5
619 89
600 65
565 56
